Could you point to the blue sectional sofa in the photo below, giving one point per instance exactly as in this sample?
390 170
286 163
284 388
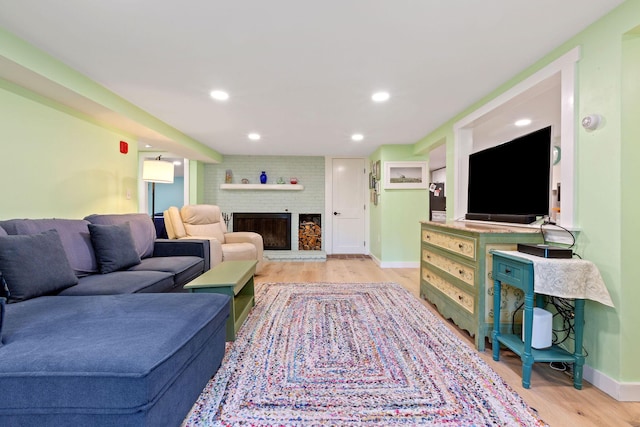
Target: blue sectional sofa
141 263
93 329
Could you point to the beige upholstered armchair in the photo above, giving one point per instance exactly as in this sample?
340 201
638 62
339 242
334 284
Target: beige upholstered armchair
205 222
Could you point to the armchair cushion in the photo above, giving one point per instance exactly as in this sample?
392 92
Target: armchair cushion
114 247
203 220
34 264
173 223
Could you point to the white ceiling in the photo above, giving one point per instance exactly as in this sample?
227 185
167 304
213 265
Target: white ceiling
300 73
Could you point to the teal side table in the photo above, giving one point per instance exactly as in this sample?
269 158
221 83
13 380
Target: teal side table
519 272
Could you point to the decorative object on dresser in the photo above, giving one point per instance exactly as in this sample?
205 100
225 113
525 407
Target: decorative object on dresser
263 177
455 273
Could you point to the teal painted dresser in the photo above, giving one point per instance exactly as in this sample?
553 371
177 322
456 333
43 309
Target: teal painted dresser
456 273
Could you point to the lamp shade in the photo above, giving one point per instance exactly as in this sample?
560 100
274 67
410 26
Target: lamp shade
157 171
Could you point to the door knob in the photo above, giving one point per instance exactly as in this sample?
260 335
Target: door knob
336 213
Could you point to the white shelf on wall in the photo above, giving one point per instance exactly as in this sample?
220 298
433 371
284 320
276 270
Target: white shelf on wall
281 187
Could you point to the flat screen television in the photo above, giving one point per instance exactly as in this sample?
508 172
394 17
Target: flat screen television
511 181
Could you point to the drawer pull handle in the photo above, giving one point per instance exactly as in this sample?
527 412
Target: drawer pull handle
506 270
460 246
460 297
460 272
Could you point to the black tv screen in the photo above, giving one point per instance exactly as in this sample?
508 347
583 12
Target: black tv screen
511 182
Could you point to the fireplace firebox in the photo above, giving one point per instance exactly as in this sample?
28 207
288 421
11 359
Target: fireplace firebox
275 228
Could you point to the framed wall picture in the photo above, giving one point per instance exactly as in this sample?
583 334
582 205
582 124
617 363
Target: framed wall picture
405 175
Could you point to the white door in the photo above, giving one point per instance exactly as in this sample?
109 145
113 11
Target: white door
348 206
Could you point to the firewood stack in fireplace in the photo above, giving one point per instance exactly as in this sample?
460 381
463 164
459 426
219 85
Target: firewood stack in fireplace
309 236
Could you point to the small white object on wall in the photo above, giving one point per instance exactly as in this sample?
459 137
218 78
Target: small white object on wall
591 122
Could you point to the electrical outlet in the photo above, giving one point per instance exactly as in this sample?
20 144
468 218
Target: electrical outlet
128 194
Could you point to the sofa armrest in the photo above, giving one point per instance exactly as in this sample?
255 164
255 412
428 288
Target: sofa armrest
184 247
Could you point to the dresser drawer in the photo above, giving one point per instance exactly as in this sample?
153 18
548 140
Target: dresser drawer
454 293
509 272
463 246
463 272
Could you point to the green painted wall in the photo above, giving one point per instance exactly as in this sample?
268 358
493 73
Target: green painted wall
397 217
58 165
630 207
196 182
607 172
23 54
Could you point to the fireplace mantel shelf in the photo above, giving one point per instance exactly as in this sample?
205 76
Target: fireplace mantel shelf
261 187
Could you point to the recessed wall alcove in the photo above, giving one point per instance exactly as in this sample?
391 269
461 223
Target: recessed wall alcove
547 98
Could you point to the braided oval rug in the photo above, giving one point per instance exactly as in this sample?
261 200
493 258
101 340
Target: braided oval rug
358 354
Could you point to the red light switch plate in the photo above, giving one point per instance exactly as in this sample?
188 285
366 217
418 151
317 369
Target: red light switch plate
124 147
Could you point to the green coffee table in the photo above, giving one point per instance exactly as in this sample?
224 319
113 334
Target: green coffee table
233 278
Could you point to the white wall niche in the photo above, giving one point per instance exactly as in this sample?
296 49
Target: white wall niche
492 124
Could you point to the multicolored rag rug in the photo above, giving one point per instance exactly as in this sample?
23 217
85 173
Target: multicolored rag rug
359 354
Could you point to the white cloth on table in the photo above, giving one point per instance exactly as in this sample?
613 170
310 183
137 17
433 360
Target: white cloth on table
567 278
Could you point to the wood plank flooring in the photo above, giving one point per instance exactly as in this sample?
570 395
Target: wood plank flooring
551 392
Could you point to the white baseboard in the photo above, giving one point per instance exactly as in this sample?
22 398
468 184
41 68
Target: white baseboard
623 392
399 265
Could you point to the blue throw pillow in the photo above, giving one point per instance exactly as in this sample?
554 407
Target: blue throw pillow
33 265
114 247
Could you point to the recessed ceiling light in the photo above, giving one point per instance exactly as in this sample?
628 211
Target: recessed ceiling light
523 122
254 136
357 137
380 96
219 95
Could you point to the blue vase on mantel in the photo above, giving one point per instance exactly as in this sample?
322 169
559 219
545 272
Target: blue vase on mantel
263 177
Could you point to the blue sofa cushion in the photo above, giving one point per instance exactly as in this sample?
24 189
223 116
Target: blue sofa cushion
2 301
114 247
183 268
34 264
74 235
109 360
122 282
142 229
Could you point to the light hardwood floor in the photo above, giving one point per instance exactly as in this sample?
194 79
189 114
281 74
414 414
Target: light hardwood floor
551 393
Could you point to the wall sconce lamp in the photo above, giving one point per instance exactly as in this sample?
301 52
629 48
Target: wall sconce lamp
156 171
592 122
